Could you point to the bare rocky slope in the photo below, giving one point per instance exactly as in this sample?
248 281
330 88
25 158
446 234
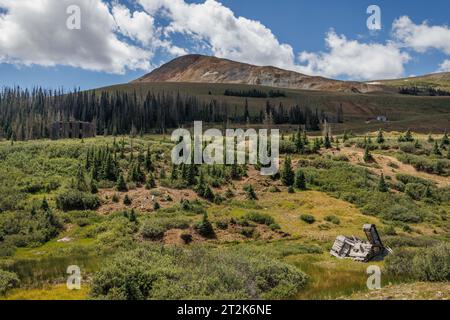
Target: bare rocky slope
205 69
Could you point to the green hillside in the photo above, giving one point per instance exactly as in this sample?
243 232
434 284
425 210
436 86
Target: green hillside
437 81
423 114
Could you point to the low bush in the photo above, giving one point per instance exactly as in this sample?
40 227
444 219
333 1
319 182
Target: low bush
429 264
77 200
205 228
8 281
260 218
309 219
333 219
151 273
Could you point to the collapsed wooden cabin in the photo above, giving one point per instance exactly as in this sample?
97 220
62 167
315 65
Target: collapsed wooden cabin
359 250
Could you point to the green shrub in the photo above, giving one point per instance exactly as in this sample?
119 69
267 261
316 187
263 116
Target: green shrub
275 227
248 232
429 264
127 201
8 281
250 192
415 190
151 273
260 218
433 264
222 225
6 250
309 219
333 219
186 237
77 200
205 228
153 231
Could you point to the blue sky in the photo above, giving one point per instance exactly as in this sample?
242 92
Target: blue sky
291 34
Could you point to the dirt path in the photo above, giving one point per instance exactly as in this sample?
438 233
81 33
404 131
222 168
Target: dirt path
390 166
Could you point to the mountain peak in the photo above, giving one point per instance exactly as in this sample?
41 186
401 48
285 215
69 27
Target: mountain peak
198 68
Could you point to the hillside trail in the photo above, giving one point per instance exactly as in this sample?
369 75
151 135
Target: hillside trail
391 166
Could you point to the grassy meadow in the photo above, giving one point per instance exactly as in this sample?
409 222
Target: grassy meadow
134 223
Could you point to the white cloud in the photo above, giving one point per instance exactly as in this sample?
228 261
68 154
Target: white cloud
137 26
421 37
355 60
227 36
35 32
444 66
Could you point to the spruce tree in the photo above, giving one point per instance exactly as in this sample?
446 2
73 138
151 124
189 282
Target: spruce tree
44 205
148 161
81 184
408 136
250 192
127 201
151 183
327 142
382 186
201 185
367 155
208 194
300 180
121 184
345 137
436 150
288 175
445 139
380 137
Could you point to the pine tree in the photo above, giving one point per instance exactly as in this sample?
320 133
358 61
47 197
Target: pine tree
345 137
81 184
250 192
436 150
305 138
234 171
191 175
174 173
205 228
208 194
300 180
327 142
367 155
382 186
151 183
200 187
417 145
121 184
136 173
44 205
316 146
148 161
127 201
445 139
288 175
93 186
408 136
380 137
